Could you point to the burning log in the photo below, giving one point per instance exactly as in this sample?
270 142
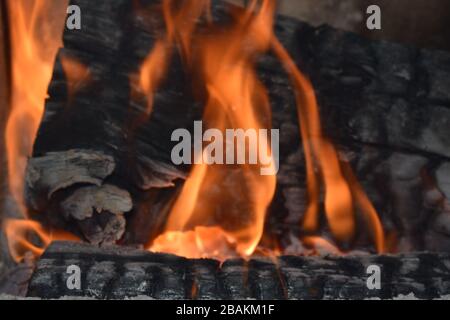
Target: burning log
386 106
120 272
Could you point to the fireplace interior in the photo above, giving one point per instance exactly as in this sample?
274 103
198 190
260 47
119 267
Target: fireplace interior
354 125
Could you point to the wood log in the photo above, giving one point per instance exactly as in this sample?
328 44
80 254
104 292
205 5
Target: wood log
120 272
15 281
386 107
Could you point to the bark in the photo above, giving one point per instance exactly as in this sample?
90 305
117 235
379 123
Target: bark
15 282
119 272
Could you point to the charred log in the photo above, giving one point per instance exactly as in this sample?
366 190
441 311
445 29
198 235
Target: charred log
385 105
118 273
15 281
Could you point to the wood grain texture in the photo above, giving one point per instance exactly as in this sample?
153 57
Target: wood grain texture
118 273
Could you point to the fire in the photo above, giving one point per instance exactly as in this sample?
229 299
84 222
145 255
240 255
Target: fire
221 209
23 234
341 190
223 65
202 242
34 45
36 35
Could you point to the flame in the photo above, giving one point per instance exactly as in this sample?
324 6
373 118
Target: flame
20 237
77 75
321 245
341 190
34 45
223 64
202 242
180 25
36 29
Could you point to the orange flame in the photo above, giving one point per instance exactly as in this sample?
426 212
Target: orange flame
321 245
36 29
235 98
35 38
180 25
20 237
223 62
341 191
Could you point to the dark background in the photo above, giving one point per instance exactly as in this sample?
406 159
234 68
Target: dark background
423 23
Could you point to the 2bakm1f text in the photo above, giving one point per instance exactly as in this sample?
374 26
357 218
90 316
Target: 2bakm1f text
244 309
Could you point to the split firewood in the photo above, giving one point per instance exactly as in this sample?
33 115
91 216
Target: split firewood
386 106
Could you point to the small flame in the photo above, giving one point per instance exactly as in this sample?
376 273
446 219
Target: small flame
180 25
321 246
77 75
20 237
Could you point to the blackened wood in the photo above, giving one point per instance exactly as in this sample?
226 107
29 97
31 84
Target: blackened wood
386 106
16 280
118 273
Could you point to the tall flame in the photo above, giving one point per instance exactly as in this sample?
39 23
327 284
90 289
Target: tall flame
341 190
223 63
35 39
36 35
236 99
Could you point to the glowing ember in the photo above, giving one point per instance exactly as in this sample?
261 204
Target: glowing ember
199 243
